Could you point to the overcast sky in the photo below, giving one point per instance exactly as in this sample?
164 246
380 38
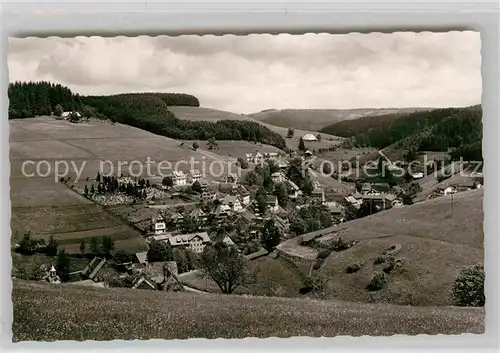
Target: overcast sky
246 74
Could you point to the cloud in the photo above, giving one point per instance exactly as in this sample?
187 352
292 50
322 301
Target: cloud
250 73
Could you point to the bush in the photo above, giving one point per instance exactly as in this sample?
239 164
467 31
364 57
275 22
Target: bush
317 264
379 260
388 266
378 282
323 253
353 268
468 289
242 163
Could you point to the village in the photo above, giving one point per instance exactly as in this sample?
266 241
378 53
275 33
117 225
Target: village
182 213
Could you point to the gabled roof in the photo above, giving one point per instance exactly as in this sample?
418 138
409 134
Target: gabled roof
309 137
230 199
242 190
294 186
271 199
194 172
197 212
158 218
184 239
178 174
142 257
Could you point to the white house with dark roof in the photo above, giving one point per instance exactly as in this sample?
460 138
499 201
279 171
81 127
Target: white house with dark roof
233 202
195 241
159 224
178 178
195 175
272 203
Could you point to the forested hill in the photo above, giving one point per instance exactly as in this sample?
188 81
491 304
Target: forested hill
438 130
148 111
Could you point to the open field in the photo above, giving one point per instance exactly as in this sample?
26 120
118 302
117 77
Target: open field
83 313
89 144
437 241
198 113
316 119
236 149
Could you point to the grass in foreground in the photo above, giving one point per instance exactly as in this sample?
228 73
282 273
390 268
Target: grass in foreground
47 312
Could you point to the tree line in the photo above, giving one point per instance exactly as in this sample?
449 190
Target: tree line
150 112
28 99
147 111
458 129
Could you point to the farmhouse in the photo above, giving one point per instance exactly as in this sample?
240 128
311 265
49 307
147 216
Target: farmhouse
178 178
318 194
244 194
220 211
272 203
293 190
278 177
309 137
51 275
67 115
207 194
255 157
197 213
355 199
233 203
196 241
379 202
335 208
195 175
143 283
283 224
158 224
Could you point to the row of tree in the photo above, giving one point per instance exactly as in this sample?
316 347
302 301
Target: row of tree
148 111
28 99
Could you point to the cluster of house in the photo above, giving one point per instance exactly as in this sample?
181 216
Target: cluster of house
470 182
195 242
371 196
258 157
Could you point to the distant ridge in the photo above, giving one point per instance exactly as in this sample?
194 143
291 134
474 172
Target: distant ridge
316 119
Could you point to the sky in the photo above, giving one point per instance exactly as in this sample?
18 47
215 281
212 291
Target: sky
247 74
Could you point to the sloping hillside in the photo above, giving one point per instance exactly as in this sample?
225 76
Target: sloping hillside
207 114
66 312
316 119
438 238
47 207
458 129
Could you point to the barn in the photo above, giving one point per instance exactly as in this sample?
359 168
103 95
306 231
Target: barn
309 137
